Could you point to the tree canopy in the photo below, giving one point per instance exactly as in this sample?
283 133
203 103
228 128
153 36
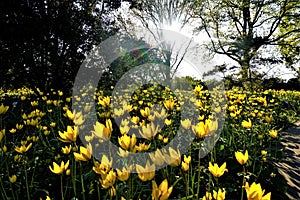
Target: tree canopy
44 42
239 29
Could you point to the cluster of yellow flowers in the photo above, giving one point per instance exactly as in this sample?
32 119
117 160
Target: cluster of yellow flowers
41 131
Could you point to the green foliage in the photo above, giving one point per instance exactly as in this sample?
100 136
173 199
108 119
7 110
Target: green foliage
44 42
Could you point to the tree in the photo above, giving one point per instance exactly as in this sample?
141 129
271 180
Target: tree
290 43
44 42
240 28
159 14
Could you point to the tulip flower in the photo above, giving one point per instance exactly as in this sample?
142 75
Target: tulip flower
207 196
173 158
103 132
2 134
247 124
85 153
269 119
145 112
12 178
104 167
273 133
70 135
105 101
146 173
216 170
66 149
186 124
255 192
124 174
142 147
149 131
219 195
157 157
127 142
205 128
169 104
162 192
3 109
109 180
168 122
23 148
185 164
241 158
59 169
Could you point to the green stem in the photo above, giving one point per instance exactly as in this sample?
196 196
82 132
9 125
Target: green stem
198 183
98 191
74 176
26 180
82 183
244 173
11 186
61 187
3 193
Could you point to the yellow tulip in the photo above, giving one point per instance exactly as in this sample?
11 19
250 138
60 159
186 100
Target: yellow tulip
135 119
13 130
168 122
219 195
162 192
157 157
145 173
273 133
145 112
76 117
255 192
241 158
216 170
172 158
200 129
269 119
109 179
149 131
3 109
186 124
2 134
205 128
263 152
124 174
19 126
85 153
103 132
105 101
198 88
12 178
162 115
169 104
66 149
143 147
124 129
34 103
207 196
4 148
112 191
247 124
185 164
127 142
70 135
59 169
102 168
23 148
